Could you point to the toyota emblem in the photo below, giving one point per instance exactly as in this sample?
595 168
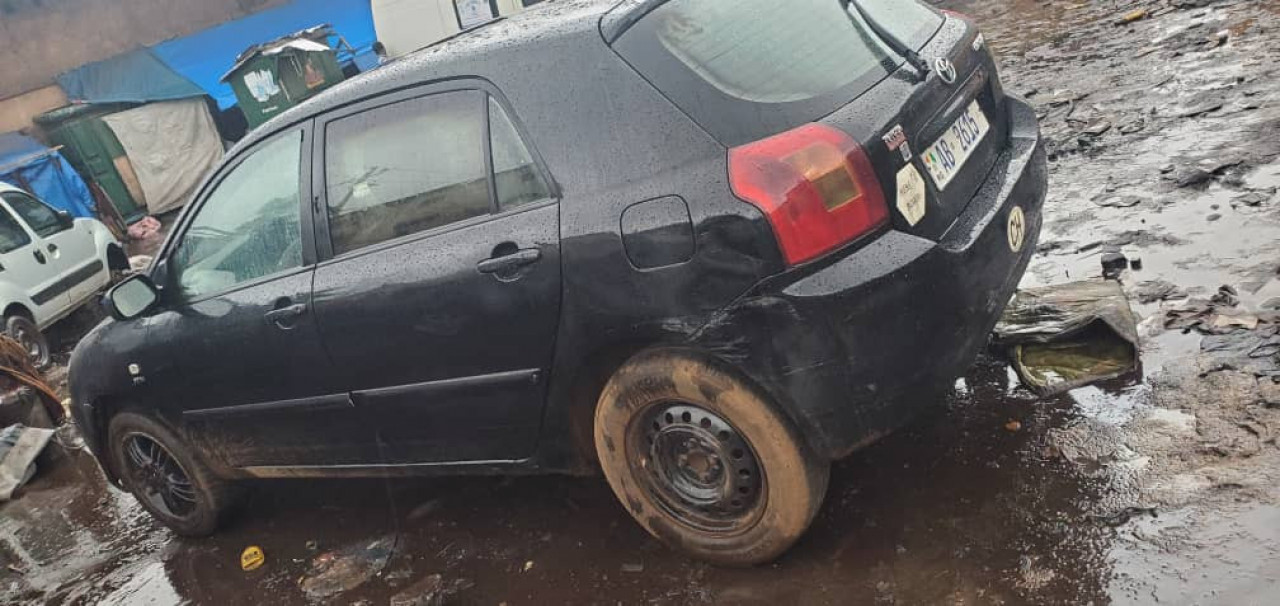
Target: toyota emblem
945 70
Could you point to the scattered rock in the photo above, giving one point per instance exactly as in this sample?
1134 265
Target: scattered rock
1254 198
633 567
1132 126
1227 295
1013 426
1114 201
1213 217
1132 16
1191 175
1113 263
1198 109
1096 128
1152 291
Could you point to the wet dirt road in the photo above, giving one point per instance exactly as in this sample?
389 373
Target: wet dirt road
1161 490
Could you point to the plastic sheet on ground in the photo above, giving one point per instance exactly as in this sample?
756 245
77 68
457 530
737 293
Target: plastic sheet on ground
19 447
1069 335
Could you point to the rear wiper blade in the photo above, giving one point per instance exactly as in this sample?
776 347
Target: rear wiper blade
893 42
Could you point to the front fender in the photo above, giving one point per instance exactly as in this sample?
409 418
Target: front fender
100 382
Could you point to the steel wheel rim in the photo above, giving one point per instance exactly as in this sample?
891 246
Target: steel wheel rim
697 467
158 478
29 344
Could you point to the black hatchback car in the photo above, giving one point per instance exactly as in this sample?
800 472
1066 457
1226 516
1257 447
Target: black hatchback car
707 246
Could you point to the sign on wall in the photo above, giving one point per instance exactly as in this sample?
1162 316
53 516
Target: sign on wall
474 12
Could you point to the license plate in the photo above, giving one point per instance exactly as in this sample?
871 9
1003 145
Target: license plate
949 153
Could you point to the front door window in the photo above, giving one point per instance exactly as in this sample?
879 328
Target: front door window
249 227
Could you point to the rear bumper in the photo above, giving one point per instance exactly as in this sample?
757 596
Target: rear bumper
854 348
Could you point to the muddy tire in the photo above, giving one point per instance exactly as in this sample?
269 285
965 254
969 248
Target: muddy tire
704 461
23 330
161 472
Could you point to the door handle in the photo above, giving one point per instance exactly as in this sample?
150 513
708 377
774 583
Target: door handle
39 256
510 262
283 316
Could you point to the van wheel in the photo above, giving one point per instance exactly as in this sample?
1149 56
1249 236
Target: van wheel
160 471
704 461
28 335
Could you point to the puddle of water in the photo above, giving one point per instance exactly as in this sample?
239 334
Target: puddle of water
1195 557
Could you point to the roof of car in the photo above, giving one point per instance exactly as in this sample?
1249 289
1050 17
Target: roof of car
500 38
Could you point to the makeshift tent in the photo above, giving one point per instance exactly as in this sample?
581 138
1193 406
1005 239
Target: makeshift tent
204 57
26 163
172 145
88 143
134 77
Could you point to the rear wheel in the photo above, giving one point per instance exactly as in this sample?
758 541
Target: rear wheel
703 460
23 330
161 472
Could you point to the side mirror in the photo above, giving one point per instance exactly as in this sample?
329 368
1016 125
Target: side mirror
131 298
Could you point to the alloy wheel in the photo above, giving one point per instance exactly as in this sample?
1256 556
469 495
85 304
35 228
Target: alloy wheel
158 477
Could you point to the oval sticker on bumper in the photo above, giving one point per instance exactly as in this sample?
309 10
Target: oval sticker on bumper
1017 229
911 194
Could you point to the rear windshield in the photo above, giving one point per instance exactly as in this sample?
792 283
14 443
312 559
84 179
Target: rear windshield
773 64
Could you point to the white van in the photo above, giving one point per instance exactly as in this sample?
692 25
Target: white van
404 26
50 265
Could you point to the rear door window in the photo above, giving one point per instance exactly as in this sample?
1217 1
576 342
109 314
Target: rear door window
750 68
405 168
422 164
517 179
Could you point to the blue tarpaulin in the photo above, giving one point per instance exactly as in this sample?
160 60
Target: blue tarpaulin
205 56
134 77
26 163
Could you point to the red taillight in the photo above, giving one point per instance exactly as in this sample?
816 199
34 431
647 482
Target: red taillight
816 186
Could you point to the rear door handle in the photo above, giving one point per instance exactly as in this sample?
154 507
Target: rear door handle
284 316
511 262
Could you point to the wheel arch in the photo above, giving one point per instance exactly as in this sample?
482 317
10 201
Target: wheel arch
117 259
589 384
18 309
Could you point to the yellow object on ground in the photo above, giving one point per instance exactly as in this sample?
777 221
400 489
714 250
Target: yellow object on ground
252 558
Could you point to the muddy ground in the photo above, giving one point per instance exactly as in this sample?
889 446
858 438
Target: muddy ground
1158 489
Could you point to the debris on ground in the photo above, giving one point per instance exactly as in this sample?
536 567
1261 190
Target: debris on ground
427 592
1113 264
252 558
334 572
1153 291
148 228
1132 16
138 263
1069 335
19 447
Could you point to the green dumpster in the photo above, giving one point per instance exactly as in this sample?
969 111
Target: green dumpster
95 152
272 77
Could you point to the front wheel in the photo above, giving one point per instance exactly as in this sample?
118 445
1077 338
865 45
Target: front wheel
23 330
161 472
704 461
